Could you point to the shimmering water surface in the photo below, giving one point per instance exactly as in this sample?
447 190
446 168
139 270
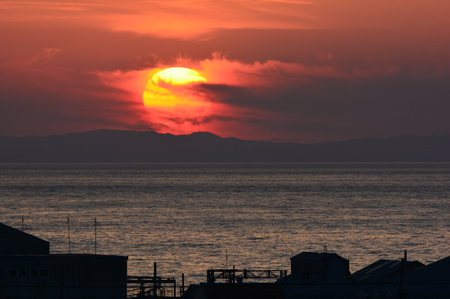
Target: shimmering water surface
186 217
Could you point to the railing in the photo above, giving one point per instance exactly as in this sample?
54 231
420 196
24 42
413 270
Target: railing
238 276
151 287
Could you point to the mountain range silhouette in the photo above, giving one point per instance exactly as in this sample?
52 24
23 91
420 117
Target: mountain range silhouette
149 146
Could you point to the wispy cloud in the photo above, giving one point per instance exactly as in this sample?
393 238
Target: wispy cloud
164 18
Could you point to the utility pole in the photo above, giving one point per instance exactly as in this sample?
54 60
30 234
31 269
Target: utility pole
182 284
226 258
68 231
95 235
403 290
155 284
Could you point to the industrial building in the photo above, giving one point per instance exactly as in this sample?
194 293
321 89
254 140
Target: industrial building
28 270
326 275
312 267
13 241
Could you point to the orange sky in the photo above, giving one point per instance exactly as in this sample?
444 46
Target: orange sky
305 71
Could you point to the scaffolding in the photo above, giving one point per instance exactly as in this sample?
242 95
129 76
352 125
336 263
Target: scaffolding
154 286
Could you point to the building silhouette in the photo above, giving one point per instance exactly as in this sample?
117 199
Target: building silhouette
326 275
313 267
385 271
28 270
13 241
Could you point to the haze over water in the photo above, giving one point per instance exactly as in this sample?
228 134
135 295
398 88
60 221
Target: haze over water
186 216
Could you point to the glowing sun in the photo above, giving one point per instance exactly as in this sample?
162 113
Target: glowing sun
175 101
170 87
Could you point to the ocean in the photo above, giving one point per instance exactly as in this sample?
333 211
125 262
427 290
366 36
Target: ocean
191 217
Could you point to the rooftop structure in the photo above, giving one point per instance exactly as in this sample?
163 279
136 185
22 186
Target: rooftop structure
438 271
313 267
385 271
13 241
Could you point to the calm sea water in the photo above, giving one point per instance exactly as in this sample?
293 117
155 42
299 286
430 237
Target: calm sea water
189 217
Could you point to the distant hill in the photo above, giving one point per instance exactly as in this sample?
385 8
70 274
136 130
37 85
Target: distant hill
132 146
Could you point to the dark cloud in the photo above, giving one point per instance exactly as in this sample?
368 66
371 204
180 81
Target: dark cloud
38 98
49 84
229 94
339 108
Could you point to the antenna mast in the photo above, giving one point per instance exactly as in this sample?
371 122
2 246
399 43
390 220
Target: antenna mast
226 258
68 231
95 235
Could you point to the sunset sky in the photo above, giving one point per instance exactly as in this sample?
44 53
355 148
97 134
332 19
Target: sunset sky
282 70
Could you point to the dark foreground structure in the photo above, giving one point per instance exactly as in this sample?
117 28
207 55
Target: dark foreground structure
326 276
29 271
